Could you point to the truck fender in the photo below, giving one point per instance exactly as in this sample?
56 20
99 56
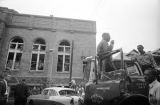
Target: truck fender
136 99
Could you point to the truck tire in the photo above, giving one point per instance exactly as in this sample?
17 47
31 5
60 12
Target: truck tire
134 100
30 102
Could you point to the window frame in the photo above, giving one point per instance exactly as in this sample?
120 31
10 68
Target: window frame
15 51
64 53
52 90
38 52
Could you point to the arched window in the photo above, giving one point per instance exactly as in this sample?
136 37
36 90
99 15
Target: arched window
14 54
64 56
38 55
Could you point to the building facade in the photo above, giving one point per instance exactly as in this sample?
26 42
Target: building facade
44 49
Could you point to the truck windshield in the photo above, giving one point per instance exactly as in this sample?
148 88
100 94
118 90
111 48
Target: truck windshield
131 67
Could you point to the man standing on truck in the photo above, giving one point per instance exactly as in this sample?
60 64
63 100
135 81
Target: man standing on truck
103 49
145 60
154 86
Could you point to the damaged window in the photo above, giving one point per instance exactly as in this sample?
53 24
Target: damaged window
64 56
14 54
38 55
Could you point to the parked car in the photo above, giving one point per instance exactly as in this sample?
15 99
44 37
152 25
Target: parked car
56 95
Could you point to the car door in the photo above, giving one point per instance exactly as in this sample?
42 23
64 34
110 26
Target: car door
138 84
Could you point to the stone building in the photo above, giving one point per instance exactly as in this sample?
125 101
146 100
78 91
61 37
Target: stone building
44 49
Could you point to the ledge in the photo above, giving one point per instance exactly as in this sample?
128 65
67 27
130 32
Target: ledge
49 23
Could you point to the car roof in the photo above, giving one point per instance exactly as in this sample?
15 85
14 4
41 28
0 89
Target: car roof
59 88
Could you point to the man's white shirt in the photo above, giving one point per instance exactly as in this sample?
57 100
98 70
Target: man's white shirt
154 93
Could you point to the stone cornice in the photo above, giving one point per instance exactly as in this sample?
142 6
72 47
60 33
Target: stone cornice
49 23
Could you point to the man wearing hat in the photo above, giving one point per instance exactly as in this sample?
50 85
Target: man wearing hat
145 59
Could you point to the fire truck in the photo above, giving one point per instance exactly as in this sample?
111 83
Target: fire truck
124 86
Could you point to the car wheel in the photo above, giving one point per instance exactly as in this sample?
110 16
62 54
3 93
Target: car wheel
135 100
30 102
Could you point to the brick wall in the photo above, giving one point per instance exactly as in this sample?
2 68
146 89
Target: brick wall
52 30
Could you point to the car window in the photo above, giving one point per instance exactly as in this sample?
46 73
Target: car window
52 93
45 92
67 92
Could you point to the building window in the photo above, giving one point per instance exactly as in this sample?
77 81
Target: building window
14 54
64 56
38 55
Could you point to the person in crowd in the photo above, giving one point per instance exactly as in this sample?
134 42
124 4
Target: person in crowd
81 90
104 48
69 84
73 84
154 86
3 89
21 93
145 59
6 79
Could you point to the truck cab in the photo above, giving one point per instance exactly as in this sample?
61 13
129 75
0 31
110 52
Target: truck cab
135 79
123 86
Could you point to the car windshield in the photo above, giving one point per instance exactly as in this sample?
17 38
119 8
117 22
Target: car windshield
67 92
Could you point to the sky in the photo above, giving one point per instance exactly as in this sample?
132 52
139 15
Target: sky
129 22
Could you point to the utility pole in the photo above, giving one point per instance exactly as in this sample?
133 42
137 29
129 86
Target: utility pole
51 66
